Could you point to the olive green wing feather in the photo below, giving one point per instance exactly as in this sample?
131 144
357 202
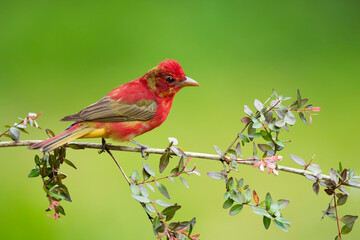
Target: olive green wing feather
109 110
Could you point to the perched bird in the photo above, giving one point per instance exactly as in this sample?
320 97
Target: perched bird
127 111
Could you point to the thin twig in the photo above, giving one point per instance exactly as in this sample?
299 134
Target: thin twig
337 217
162 151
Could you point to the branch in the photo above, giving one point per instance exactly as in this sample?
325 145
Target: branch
162 151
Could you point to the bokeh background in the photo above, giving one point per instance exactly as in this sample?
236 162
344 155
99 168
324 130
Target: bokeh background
57 57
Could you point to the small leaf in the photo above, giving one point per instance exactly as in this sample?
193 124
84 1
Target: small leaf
148 169
218 150
135 175
34 172
184 182
216 175
135 189
141 198
235 209
68 162
258 105
348 219
14 132
298 160
143 190
256 197
238 149
283 203
265 147
266 222
245 120
228 203
169 212
290 118
164 161
247 195
298 99
178 152
268 201
163 203
145 174
266 135
341 188
162 189
342 200
243 138
347 228
261 211
50 133
280 225
316 188
303 118
247 110
280 143
150 187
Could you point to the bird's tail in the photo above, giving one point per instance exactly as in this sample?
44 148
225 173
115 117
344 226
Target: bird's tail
74 132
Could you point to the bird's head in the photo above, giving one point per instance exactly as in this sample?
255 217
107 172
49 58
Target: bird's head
167 78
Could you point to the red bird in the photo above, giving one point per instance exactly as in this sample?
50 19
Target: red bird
127 111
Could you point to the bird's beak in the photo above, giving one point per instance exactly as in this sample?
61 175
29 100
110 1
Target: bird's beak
189 82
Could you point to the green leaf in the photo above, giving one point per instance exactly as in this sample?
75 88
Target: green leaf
218 150
135 189
228 203
141 198
15 133
247 195
342 200
268 201
184 182
347 228
169 212
135 175
283 220
37 159
238 149
283 203
216 175
247 110
164 161
240 183
280 225
298 99
60 210
148 169
34 172
237 196
150 187
230 184
181 164
261 211
145 174
290 118
265 147
266 135
163 203
280 143
235 209
298 160
303 118
162 189
266 222
178 152
254 135
68 162
143 190
50 133
348 219
258 105
243 138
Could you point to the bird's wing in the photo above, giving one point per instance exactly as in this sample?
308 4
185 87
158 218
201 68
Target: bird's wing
109 110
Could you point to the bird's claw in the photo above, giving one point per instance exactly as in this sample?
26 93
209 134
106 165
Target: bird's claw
143 154
103 146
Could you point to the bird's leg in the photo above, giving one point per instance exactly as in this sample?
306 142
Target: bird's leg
106 148
103 146
143 147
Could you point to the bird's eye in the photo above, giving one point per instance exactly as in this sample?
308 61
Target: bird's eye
170 80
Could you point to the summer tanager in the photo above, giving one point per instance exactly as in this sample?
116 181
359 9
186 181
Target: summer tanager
127 111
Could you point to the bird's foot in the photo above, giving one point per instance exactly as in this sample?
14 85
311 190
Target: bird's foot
103 146
143 148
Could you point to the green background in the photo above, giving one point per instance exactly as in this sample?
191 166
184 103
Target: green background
60 56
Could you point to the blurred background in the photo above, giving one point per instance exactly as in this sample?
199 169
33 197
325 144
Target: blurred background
57 57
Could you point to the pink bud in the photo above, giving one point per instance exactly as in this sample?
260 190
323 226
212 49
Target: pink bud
316 109
275 172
